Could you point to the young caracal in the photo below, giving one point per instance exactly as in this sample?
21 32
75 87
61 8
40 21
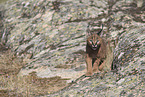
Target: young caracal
96 53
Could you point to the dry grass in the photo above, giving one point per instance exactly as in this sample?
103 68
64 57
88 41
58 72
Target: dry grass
10 64
64 66
14 85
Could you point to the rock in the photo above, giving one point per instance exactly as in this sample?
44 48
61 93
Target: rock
53 33
120 81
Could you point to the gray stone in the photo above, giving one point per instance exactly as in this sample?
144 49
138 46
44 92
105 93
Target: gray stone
56 37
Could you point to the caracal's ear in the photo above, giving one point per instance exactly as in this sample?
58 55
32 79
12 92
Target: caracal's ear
99 33
88 31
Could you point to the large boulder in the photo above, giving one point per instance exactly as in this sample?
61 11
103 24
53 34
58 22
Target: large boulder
51 37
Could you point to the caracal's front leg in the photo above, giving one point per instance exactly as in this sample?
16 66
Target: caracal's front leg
89 66
105 66
96 65
102 66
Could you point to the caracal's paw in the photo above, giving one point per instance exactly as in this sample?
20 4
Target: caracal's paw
101 67
96 71
88 74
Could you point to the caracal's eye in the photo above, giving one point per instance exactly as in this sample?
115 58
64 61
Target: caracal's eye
90 41
97 42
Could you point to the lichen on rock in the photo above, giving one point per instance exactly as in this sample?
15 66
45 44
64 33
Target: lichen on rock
51 36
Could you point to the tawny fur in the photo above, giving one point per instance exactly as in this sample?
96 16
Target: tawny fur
95 57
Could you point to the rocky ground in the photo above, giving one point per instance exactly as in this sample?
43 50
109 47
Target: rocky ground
51 37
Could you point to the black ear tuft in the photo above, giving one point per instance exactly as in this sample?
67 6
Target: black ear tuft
100 30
